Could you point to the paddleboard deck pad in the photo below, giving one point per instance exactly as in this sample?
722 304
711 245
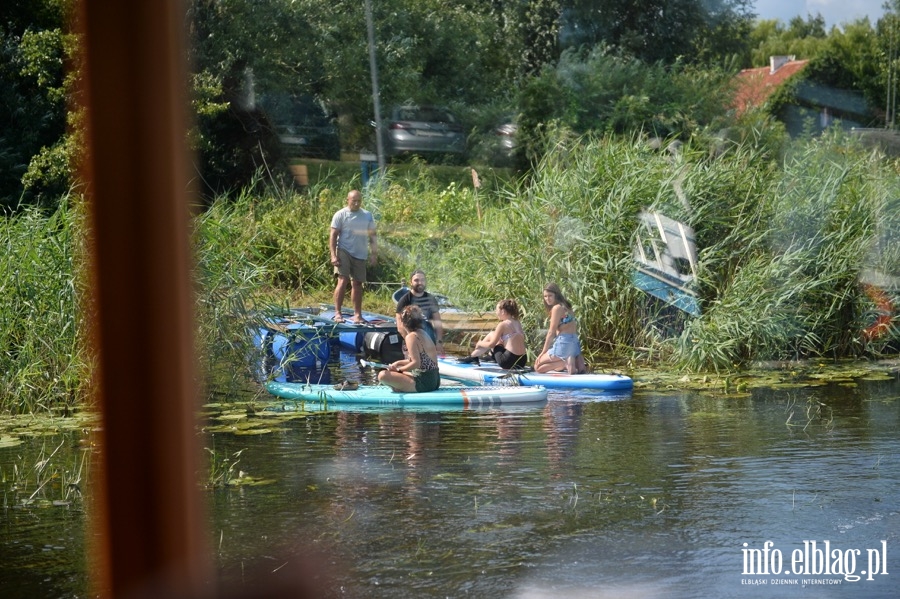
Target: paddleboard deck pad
489 373
383 395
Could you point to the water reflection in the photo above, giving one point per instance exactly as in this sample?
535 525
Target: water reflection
648 495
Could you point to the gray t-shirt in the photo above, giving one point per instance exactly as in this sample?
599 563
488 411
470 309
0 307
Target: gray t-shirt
353 231
426 302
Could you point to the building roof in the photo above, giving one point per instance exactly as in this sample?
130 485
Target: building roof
755 86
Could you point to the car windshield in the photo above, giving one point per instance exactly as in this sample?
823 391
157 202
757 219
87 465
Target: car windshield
302 111
424 114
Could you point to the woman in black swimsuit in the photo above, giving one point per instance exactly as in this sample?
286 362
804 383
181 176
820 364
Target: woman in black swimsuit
506 342
419 372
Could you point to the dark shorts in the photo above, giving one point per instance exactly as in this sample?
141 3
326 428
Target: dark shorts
427 380
350 267
506 359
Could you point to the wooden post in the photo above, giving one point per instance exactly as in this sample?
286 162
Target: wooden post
301 174
149 516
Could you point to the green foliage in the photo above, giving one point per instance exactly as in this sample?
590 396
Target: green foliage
665 31
221 468
421 200
803 39
785 237
601 91
44 364
33 95
783 282
254 252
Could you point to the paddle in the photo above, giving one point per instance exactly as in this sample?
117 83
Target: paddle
375 365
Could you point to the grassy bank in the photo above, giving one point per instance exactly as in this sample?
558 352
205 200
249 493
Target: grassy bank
784 246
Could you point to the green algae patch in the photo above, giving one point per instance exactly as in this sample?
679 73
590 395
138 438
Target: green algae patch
254 418
42 425
768 375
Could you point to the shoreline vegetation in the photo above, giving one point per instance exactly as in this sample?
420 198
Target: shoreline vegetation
786 237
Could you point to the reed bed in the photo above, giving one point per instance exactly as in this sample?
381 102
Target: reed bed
44 362
783 249
783 281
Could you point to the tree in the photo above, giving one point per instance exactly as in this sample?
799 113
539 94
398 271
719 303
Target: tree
803 39
606 92
34 149
660 30
888 31
428 51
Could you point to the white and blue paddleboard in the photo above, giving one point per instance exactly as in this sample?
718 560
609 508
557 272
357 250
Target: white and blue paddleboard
489 373
383 395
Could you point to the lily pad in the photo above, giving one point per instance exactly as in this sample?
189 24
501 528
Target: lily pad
220 429
254 431
232 416
877 376
6 441
250 481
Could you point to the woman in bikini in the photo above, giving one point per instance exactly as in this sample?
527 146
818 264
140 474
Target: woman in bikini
419 372
562 349
506 342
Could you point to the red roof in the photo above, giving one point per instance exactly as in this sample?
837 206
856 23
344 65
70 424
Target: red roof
756 85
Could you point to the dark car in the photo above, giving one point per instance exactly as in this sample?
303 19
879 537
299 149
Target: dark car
303 126
426 130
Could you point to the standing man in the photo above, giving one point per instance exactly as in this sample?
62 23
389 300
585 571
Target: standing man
351 242
426 302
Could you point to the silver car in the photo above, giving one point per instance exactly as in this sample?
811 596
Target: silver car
424 130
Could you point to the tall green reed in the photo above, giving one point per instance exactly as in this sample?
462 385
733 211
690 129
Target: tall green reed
572 223
782 247
783 279
44 362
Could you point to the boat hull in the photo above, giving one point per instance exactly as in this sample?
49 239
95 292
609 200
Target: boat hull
384 396
377 338
300 345
302 338
493 374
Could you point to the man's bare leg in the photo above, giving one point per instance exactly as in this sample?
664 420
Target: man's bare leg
339 292
356 296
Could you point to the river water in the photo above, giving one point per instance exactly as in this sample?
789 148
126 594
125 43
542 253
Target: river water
772 493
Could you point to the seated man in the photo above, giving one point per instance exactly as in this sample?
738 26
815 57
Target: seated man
427 303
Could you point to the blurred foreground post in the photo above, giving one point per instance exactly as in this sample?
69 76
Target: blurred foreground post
148 513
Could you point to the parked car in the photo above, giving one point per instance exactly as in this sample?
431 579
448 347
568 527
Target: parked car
496 144
426 130
303 126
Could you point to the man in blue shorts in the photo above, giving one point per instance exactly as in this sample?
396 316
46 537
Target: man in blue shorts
352 242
